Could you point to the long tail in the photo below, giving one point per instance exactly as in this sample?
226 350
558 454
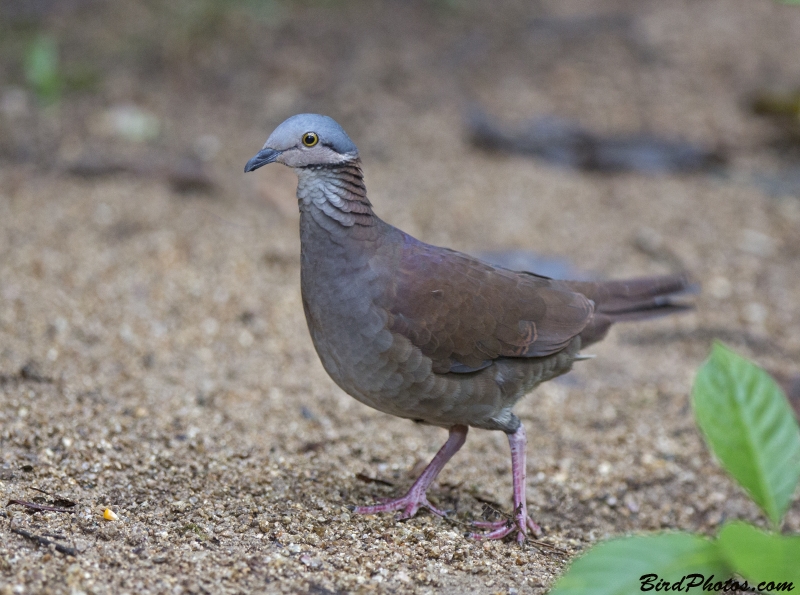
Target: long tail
632 299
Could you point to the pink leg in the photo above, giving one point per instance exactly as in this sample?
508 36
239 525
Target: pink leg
415 498
521 522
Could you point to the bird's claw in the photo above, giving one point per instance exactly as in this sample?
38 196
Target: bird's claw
500 529
409 505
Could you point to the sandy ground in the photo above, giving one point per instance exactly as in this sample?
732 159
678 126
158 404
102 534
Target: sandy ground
154 358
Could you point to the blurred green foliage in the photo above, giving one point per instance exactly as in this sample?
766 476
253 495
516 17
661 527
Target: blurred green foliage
41 68
52 54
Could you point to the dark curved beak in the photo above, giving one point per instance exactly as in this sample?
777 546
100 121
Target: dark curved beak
263 157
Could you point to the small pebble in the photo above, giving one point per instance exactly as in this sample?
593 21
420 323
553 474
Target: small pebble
720 287
757 243
755 313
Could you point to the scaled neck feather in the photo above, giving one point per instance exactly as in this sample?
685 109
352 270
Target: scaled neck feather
336 191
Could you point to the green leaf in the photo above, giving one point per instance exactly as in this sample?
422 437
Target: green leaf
760 556
628 565
41 68
749 426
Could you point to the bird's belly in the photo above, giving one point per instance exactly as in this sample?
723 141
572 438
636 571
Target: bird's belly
386 372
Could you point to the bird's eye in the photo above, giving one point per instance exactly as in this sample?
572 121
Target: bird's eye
310 139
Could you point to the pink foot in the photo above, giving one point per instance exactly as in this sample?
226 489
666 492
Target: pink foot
416 498
409 504
499 529
521 521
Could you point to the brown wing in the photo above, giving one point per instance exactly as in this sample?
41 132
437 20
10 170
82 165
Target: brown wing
464 313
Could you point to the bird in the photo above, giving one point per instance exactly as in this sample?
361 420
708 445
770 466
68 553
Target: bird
430 334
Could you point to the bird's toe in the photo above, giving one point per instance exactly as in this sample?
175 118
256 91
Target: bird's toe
501 529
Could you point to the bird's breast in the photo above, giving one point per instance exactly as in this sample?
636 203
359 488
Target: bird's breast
341 288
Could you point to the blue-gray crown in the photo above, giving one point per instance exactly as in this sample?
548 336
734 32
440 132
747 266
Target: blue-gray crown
306 140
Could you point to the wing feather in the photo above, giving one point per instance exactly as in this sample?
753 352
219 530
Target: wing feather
464 313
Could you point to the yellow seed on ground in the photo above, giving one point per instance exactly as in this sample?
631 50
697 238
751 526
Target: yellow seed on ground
110 515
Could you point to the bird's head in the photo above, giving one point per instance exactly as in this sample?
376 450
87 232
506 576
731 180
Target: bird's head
306 140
